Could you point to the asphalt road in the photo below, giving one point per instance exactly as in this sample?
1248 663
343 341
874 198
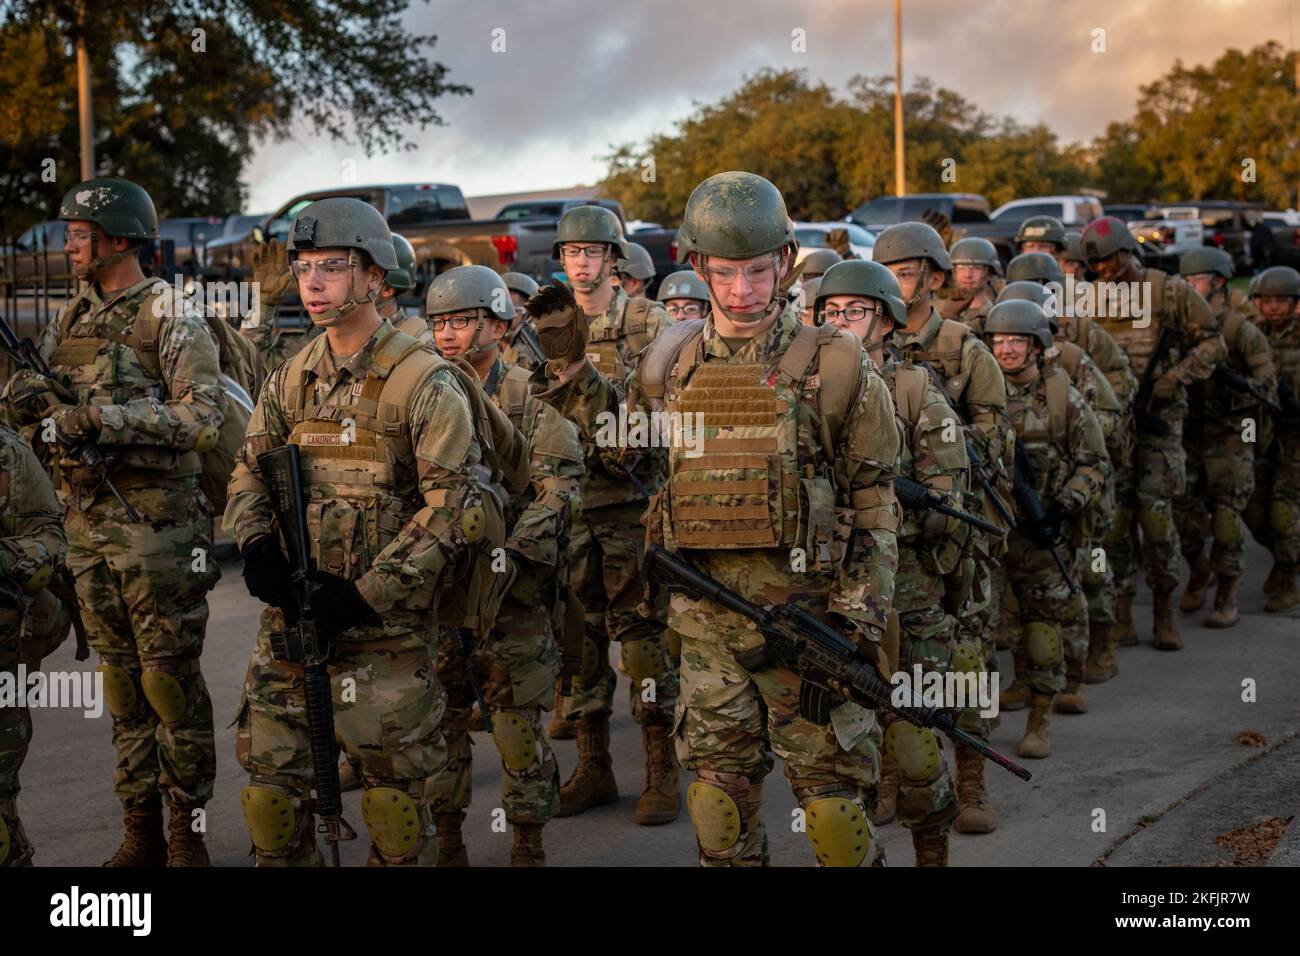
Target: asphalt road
1159 745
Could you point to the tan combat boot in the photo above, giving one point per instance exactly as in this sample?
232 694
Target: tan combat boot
184 846
931 845
592 783
1071 700
886 793
1126 634
1101 665
661 798
478 722
1015 697
142 840
1193 598
452 851
1274 580
1037 742
1225 612
1166 628
560 727
975 815
1286 596
527 850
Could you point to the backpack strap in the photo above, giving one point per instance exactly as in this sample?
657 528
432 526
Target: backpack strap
1057 384
662 356
1071 358
909 392
1157 280
1230 325
636 325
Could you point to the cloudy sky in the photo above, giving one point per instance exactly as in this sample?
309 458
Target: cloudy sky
578 76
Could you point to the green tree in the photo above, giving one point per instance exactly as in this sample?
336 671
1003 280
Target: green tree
183 91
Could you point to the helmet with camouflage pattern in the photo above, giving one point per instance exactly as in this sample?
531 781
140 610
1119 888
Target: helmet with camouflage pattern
638 264
1041 229
735 215
118 206
1204 260
1034 267
684 284
590 224
518 282
865 278
403 277
1036 293
819 260
1106 236
1019 317
1278 280
911 240
340 222
975 251
1073 251
470 287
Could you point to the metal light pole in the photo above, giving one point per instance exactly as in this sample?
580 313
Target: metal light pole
84 106
900 187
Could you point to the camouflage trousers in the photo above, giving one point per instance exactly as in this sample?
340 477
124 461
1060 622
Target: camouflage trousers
516 670
1053 628
728 716
15 737
1146 487
1220 480
143 590
606 546
1273 514
388 708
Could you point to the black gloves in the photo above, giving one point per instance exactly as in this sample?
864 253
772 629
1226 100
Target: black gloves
266 574
1053 523
338 604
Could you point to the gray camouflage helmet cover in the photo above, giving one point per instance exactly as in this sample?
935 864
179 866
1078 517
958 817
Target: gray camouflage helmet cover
1035 267
735 215
684 284
1277 280
638 264
911 240
121 208
1203 260
1019 317
1073 251
403 277
340 222
819 260
865 278
518 282
590 224
470 287
1041 229
975 251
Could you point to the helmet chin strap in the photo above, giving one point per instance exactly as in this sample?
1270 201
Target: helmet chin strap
477 348
92 268
922 287
353 303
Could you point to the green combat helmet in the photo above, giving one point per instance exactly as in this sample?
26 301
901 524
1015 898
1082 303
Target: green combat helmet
590 224
119 207
975 251
911 240
1041 229
1073 251
1018 317
403 277
470 287
1036 293
1035 267
863 277
1278 280
684 284
1205 260
818 261
343 223
518 282
736 215
638 264
1106 236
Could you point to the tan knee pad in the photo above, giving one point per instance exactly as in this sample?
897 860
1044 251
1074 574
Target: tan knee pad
1042 644
1281 516
1227 527
165 694
839 830
393 820
515 740
590 668
276 821
5 842
120 692
1157 524
643 660
966 658
914 751
719 807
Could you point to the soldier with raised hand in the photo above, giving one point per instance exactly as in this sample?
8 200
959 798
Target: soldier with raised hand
785 494
470 312
396 519
1220 473
1273 514
976 281
635 270
1147 484
608 540
32 548
1062 441
863 297
684 296
137 375
1044 234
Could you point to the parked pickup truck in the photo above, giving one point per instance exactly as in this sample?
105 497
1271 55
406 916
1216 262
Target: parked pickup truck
1163 240
1229 225
433 216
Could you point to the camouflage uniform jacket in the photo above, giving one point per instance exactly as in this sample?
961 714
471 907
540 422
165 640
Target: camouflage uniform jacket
1101 347
1250 355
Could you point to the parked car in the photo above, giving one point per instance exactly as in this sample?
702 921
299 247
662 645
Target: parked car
1129 212
1278 243
960 208
812 235
537 220
1163 241
1071 210
1230 225
191 235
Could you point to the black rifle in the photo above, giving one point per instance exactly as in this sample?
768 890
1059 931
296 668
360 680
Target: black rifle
525 340
27 356
1290 404
982 479
917 497
1148 422
1029 502
827 663
1229 377
282 475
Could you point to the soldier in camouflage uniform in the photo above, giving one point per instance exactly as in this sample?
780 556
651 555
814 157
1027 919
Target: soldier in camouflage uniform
32 548
1044 234
137 374
817 261
607 543
864 298
1273 514
635 270
519 661
684 296
1063 442
976 282
767 479
396 511
522 288
1070 258
396 282
1147 484
1220 475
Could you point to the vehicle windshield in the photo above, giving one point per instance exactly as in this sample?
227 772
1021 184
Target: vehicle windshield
532 210
1018 214
888 210
425 204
